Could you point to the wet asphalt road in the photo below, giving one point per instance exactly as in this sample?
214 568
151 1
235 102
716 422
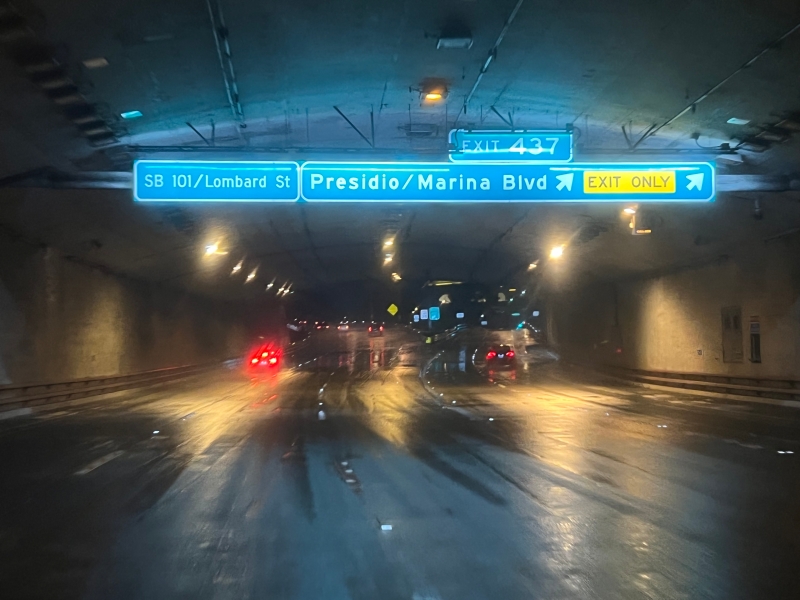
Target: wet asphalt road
528 482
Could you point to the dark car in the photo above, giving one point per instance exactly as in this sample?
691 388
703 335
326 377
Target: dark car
375 329
500 356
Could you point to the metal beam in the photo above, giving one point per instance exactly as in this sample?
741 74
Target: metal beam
356 129
221 40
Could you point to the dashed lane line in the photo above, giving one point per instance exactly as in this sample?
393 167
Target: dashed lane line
95 464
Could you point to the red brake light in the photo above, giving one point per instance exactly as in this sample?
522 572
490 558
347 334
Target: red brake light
264 354
370 328
510 354
381 327
491 354
273 360
254 361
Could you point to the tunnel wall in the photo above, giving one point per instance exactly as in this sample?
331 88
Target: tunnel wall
674 322
62 320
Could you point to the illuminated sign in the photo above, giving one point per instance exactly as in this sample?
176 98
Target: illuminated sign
423 314
511 146
262 181
215 181
416 318
522 182
459 315
434 313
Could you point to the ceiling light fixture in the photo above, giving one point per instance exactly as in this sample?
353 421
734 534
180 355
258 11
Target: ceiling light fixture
735 121
251 275
212 248
389 242
131 114
388 258
396 277
454 43
629 210
95 63
237 267
533 265
557 252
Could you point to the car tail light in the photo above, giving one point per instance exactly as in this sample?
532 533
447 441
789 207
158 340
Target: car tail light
264 354
491 354
273 360
381 327
370 328
254 361
510 354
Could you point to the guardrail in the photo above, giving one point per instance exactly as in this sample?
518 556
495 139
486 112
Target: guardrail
36 394
757 387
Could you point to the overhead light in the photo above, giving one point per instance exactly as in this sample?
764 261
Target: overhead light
95 63
557 252
512 289
131 114
444 282
212 248
270 284
389 242
735 121
454 43
251 275
629 211
388 258
533 265
433 96
237 267
396 277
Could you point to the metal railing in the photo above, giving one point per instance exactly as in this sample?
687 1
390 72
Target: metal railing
35 394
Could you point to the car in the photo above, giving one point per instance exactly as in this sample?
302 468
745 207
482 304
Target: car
375 329
318 325
343 327
500 356
266 356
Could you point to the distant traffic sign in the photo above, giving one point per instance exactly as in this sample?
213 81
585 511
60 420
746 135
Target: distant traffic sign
392 310
215 181
511 146
483 182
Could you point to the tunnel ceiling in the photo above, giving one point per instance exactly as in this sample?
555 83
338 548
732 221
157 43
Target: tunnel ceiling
597 65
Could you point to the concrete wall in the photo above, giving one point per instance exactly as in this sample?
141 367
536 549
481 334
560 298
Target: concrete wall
673 321
60 320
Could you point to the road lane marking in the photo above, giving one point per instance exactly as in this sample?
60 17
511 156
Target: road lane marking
100 462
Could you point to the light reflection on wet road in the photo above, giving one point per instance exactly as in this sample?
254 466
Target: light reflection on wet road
531 482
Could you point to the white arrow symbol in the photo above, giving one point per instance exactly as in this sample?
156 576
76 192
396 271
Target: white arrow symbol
695 181
565 181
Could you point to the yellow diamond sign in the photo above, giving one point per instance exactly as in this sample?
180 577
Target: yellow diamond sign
392 310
